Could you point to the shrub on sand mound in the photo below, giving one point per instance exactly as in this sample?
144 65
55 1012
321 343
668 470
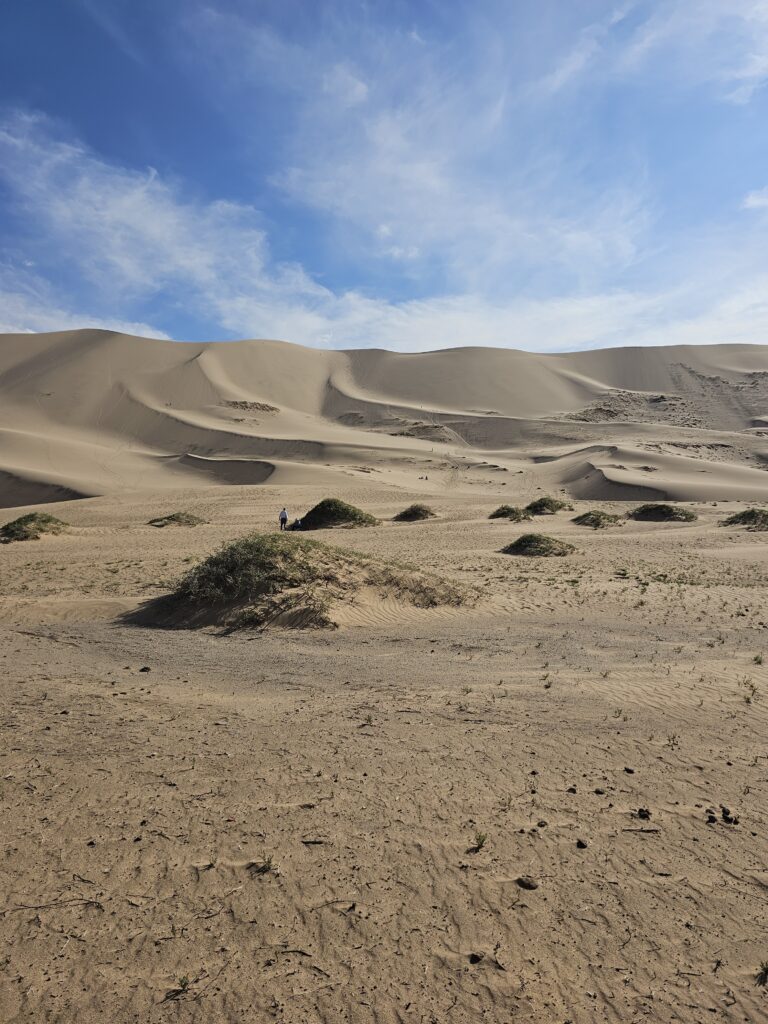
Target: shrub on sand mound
177 519
31 527
538 545
597 519
662 514
753 518
546 506
414 513
334 512
294 581
512 512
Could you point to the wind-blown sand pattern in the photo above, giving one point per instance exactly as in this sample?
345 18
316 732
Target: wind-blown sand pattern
547 805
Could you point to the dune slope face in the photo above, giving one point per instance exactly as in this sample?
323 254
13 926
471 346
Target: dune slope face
91 412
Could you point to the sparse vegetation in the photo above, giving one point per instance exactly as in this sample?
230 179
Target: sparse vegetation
755 519
177 519
538 545
662 513
265 578
511 512
414 513
31 527
546 506
597 519
761 978
332 512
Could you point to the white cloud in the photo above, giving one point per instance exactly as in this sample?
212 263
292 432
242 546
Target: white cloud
132 240
757 200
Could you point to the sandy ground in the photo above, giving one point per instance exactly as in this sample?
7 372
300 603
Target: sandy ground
284 826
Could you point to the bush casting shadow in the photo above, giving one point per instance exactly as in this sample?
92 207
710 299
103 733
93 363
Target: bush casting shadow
274 579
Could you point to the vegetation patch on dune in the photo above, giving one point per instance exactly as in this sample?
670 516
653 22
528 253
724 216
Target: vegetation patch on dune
546 506
511 512
332 512
662 513
177 519
31 527
538 545
276 579
414 513
753 518
597 519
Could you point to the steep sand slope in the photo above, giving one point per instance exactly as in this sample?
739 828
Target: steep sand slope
91 412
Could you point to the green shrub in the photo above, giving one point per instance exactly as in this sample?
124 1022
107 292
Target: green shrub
538 545
31 527
753 518
414 513
597 519
334 512
661 513
546 506
263 577
177 519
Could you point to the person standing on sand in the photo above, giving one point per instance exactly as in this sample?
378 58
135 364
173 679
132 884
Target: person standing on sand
283 519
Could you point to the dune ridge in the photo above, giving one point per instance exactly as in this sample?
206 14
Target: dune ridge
85 413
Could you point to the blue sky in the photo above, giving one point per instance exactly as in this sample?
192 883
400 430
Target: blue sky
546 175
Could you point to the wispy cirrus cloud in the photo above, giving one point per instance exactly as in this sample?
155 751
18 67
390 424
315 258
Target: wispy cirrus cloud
483 191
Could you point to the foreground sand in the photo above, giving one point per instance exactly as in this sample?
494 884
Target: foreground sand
280 825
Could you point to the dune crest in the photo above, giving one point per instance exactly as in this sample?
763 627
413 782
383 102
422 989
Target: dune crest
88 412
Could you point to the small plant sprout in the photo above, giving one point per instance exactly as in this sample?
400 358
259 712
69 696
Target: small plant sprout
480 841
673 740
605 673
184 983
761 978
758 659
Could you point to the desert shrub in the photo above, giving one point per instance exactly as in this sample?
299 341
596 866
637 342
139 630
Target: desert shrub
753 518
661 513
546 506
414 513
177 519
511 512
31 527
538 545
264 577
334 512
597 519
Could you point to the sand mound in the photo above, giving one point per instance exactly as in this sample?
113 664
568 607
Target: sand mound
332 512
597 519
30 527
274 579
662 513
538 545
414 514
755 519
177 519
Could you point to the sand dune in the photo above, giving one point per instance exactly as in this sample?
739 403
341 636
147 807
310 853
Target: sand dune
92 412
